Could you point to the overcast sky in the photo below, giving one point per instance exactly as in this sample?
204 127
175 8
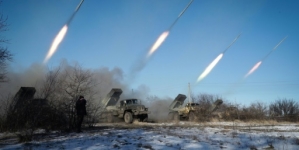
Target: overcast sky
119 33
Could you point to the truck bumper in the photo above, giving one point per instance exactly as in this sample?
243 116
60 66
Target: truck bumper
141 112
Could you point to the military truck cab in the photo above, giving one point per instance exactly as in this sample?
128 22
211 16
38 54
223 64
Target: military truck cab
191 104
129 102
132 108
127 109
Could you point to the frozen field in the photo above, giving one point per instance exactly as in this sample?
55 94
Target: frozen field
169 136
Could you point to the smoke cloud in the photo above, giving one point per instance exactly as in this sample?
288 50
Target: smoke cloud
29 77
159 109
106 79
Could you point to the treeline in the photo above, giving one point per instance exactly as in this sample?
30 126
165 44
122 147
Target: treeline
282 109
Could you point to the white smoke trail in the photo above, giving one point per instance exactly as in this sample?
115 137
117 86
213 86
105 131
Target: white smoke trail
56 43
158 43
210 67
253 69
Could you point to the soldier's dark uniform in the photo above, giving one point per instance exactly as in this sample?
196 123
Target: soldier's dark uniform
81 112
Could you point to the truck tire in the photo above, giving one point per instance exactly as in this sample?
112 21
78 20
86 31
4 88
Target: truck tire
191 116
128 117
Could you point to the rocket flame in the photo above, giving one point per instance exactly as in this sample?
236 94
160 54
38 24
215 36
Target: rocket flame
157 44
253 69
56 42
210 67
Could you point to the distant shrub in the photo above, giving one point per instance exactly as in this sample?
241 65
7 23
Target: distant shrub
255 111
284 110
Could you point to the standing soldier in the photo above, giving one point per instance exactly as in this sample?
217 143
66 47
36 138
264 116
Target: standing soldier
81 111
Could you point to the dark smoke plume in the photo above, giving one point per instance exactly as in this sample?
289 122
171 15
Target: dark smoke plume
106 79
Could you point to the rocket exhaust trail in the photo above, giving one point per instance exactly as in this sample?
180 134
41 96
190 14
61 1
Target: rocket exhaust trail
56 43
158 43
180 15
60 36
232 43
73 15
164 35
253 69
78 7
274 48
140 64
215 61
256 66
210 67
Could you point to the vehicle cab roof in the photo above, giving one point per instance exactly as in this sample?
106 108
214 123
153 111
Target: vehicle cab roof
129 99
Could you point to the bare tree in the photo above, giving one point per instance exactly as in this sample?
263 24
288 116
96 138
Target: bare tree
206 99
207 106
5 55
4 109
75 81
255 111
287 108
260 110
49 86
62 87
49 92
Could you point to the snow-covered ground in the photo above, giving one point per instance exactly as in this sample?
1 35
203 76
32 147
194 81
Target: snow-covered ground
169 136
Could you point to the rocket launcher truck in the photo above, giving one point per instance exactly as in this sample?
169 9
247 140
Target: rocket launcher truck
191 110
127 109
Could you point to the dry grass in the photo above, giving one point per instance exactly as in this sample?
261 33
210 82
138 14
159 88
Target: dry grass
262 122
215 120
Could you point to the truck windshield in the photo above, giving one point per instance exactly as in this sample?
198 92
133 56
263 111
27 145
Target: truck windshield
135 101
132 101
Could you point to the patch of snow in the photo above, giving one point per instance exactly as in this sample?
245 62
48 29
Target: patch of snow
171 136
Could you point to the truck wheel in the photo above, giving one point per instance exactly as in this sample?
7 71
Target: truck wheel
128 117
191 116
170 116
176 117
